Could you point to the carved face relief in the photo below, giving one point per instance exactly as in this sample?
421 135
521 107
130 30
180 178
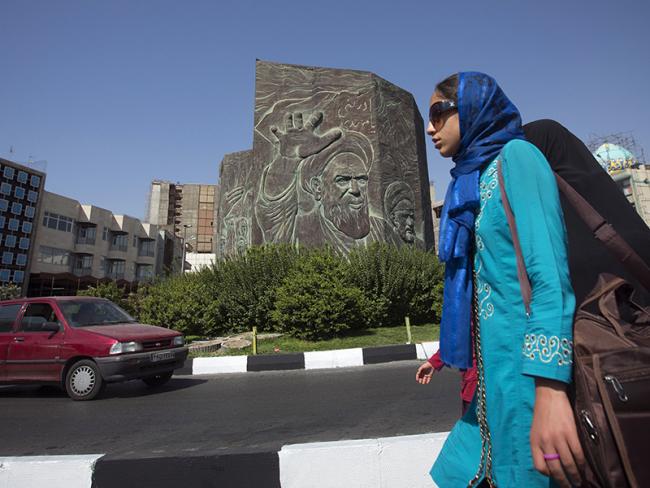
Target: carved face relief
344 194
403 219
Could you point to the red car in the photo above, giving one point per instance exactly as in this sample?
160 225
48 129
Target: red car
82 343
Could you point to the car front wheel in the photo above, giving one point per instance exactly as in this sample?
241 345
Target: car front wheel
159 379
83 380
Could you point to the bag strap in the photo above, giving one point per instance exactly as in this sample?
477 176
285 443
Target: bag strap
602 230
605 233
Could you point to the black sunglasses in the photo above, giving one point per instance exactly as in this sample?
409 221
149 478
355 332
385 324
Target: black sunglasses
438 109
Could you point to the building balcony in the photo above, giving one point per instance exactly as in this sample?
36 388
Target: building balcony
82 271
114 276
119 248
86 241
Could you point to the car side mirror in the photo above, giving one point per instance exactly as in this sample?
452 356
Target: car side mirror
51 327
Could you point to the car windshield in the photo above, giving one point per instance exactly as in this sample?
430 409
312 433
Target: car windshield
83 313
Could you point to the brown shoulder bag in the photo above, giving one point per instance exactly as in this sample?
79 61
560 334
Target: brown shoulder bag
611 364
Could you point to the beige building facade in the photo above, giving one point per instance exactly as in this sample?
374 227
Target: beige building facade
635 184
79 245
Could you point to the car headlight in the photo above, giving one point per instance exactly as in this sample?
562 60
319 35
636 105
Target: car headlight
122 347
178 341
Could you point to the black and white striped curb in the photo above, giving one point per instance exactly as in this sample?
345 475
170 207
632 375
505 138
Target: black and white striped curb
390 462
340 358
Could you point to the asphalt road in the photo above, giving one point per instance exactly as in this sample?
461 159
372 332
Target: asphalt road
229 413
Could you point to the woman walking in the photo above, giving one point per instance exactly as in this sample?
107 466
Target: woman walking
519 430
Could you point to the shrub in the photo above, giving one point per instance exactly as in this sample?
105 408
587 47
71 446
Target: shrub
247 285
316 302
399 281
10 291
183 302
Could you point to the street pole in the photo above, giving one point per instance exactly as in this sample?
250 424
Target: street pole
185 227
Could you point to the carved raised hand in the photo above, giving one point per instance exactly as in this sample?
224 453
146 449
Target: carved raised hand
300 140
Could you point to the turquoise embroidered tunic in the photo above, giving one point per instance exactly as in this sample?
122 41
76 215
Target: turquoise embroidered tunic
516 348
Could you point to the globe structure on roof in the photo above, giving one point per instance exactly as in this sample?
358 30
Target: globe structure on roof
614 158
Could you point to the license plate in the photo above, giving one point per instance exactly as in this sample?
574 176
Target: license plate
161 356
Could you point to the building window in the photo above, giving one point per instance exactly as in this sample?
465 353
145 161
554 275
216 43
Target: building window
4 275
58 222
115 269
105 234
4 204
32 196
143 272
30 212
27 227
22 177
119 242
19 276
83 263
23 243
35 181
14 224
52 255
16 208
86 235
19 192
21 259
10 241
7 257
9 173
2 221
5 188
135 241
147 247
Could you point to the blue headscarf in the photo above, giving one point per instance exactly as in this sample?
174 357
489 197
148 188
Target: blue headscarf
488 120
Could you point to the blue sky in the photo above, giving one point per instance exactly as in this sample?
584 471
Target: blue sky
116 93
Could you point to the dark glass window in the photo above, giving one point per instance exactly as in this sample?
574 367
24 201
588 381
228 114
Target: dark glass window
9 173
32 196
21 259
52 255
30 212
58 222
14 224
8 313
4 204
35 181
19 276
36 315
5 188
2 221
23 243
16 208
19 192
10 241
4 275
22 177
27 227
7 257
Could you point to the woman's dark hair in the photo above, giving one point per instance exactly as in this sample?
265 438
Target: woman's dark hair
448 88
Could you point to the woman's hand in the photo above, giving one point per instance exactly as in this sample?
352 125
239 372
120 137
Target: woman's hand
424 374
554 432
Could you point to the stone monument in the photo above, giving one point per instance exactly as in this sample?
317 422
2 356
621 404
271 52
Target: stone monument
338 159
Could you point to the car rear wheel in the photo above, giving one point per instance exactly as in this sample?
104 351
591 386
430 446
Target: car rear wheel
159 379
83 380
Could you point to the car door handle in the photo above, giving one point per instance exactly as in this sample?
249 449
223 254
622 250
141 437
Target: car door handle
19 339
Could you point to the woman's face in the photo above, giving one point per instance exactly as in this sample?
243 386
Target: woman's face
447 137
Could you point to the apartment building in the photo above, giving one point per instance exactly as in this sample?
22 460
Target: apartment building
187 210
21 188
635 185
80 245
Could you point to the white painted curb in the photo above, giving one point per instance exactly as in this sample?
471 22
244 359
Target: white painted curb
225 364
48 471
389 462
340 358
427 349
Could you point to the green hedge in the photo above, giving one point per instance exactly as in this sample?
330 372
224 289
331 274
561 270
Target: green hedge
307 293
